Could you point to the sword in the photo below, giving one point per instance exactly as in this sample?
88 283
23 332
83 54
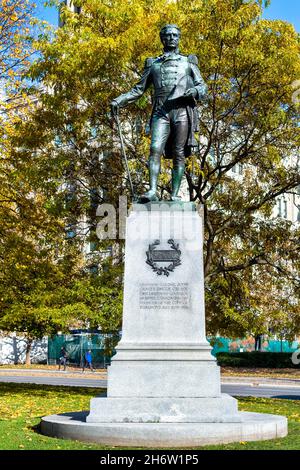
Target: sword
116 116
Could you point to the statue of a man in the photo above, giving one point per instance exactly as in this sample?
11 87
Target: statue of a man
178 85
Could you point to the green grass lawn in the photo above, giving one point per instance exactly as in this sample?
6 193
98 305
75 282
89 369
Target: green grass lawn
23 405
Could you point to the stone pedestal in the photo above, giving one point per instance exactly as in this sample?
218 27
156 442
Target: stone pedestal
163 370
163 383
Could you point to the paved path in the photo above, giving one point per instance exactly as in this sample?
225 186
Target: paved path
54 372
267 391
66 381
256 380
84 380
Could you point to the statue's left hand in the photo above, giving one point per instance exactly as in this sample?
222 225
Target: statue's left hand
191 93
114 107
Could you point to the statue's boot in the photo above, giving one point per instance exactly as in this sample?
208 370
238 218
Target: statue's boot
154 170
177 174
175 198
149 196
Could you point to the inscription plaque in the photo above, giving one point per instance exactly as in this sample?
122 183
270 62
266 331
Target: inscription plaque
155 256
171 295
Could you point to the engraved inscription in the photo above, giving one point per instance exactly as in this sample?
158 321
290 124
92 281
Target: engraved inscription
171 295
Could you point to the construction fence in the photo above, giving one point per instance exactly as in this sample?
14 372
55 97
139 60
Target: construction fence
267 344
101 345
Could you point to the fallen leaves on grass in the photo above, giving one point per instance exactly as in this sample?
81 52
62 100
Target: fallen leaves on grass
260 372
288 408
24 404
31 401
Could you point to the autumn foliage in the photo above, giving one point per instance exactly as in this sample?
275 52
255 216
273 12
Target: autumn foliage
249 120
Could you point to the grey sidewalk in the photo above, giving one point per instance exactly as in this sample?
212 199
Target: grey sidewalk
260 381
49 371
234 386
101 374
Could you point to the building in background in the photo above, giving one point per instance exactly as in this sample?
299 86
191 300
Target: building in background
70 4
13 349
287 205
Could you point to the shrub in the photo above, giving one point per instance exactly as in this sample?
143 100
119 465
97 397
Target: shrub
256 359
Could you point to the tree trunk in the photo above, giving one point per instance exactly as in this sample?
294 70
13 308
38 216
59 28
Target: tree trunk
258 343
28 351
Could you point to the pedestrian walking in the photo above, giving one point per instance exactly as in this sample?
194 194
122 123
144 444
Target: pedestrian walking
63 358
88 361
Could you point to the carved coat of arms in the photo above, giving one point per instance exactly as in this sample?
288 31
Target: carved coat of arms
155 256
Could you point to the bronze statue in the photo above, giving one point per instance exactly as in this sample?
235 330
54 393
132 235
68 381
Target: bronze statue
178 85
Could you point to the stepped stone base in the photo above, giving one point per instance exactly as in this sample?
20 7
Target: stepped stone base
252 427
163 387
163 378
164 410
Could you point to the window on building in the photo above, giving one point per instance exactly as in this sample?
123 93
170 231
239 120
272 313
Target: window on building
238 169
93 246
94 198
279 204
282 208
70 232
285 209
93 269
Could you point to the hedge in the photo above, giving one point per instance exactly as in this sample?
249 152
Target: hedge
256 359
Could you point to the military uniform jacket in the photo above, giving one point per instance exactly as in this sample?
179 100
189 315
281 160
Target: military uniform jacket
171 75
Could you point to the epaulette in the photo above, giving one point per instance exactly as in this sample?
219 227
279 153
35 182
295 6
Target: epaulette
149 61
193 59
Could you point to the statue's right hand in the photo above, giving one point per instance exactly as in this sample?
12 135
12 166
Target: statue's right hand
114 106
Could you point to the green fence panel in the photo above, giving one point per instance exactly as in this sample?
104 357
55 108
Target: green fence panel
103 345
77 344
221 344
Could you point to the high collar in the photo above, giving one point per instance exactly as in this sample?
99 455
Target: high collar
167 54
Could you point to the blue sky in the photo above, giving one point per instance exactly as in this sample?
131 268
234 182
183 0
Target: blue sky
288 10
46 13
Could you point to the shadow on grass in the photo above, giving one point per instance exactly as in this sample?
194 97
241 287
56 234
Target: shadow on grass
26 389
36 428
286 397
74 415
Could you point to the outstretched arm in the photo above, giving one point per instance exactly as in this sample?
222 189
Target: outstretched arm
137 91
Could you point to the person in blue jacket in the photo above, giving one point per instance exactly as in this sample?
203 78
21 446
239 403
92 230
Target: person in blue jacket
88 361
